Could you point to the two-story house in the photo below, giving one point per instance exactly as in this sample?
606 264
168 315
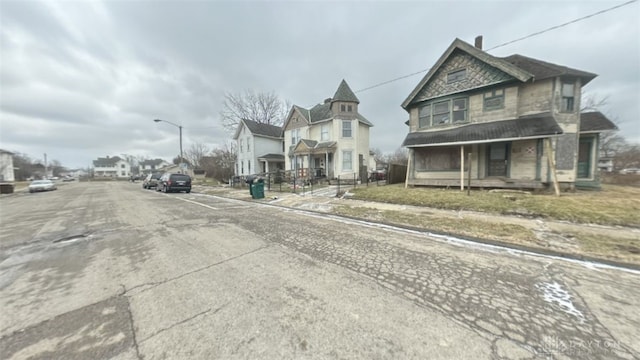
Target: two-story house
152 165
259 148
111 167
515 120
330 139
6 166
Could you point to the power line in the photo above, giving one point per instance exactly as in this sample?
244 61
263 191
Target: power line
563 25
509 42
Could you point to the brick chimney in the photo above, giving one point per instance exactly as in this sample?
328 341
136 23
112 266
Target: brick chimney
478 43
327 100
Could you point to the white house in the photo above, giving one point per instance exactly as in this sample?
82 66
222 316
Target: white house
111 167
154 165
330 139
6 166
259 148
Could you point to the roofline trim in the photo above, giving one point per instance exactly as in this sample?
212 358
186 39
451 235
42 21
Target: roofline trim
485 141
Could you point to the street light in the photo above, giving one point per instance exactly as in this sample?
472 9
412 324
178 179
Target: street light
180 128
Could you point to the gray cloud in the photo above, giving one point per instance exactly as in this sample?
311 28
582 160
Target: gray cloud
82 80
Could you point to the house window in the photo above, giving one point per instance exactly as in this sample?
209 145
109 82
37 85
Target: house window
241 144
346 108
346 128
295 136
347 161
567 97
242 167
324 133
248 147
248 166
425 116
494 100
123 173
443 112
456 76
121 166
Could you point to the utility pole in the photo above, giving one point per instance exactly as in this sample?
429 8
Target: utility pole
46 173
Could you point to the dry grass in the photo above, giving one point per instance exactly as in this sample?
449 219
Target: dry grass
614 205
472 228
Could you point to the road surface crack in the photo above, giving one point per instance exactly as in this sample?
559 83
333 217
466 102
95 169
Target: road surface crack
184 321
150 285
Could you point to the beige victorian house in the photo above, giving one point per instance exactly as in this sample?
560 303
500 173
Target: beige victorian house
330 140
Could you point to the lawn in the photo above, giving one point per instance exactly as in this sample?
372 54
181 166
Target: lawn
613 205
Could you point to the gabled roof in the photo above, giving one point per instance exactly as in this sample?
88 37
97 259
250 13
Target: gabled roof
2 151
525 127
310 146
544 70
152 162
321 112
595 121
344 93
259 129
106 161
458 44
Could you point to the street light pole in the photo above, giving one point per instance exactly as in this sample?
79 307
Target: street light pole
179 128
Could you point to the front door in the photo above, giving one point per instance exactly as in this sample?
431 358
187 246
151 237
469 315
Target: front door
498 159
584 158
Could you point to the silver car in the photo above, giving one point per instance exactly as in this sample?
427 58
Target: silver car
42 185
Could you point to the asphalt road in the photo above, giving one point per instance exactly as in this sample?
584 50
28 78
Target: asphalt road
108 270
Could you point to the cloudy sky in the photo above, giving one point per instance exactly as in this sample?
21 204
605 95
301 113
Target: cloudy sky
81 80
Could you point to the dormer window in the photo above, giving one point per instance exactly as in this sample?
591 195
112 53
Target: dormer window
346 108
567 97
456 76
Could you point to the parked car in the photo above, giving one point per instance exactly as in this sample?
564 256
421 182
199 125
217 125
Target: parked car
41 185
151 181
174 182
378 175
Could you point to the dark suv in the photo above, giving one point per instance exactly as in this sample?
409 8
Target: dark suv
151 181
174 182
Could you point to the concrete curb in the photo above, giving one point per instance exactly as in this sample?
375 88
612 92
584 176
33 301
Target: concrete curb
533 250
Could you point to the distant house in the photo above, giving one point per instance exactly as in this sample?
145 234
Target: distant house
152 165
506 116
259 148
6 166
605 164
111 167
330 139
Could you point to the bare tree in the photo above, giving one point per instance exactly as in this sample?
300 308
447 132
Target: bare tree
220 164
195 153
378 156
400 156
593 102
628 157
265 108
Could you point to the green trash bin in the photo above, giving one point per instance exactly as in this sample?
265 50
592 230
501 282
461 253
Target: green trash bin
257 189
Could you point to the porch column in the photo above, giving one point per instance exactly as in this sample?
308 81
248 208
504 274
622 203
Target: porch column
462 168
326 164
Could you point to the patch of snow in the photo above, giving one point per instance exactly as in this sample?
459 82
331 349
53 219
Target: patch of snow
554 293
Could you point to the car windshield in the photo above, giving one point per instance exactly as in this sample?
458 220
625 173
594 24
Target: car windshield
179 177
41 182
